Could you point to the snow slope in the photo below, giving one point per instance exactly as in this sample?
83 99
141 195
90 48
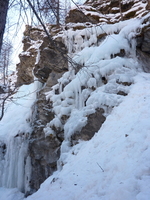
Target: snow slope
114 164
18 112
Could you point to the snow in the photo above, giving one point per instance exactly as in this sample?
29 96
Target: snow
21 103
11 194
100 61
15 167
114 164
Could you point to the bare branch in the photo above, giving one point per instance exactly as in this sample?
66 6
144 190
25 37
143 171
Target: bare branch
39 19
10 92
100 167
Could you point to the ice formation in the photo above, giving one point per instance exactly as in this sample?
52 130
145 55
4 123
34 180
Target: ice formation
105 73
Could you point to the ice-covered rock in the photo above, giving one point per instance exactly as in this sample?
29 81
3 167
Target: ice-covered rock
89 71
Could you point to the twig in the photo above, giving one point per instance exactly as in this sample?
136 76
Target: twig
100 167
3 103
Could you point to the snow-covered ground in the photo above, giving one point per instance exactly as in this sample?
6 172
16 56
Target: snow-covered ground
114 164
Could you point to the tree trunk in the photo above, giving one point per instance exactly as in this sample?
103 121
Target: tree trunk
121 16
58 14
3 14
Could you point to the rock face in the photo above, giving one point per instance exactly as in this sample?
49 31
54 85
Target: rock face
2 150
51 60
43 151
93 125
40 58
102 11
143 49
28 56
148 5
45 61
78 16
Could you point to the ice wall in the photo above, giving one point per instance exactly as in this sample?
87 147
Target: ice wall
15 130
15 165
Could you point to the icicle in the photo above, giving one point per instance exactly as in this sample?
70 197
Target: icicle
37 57
15 170
78 95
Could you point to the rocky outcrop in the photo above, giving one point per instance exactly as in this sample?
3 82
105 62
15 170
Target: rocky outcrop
143 49
51 61
48 62
2 150
102 11
94 122
43 151
40 58
78 16
148 5
31 42
44 154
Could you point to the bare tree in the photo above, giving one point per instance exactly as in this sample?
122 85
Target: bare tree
5 59
3 100
3 15
48 9
54 11
120 10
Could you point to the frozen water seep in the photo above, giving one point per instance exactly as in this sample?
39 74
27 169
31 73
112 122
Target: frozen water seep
15 164
107 72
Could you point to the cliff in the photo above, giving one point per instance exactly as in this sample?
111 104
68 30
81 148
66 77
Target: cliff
73 86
